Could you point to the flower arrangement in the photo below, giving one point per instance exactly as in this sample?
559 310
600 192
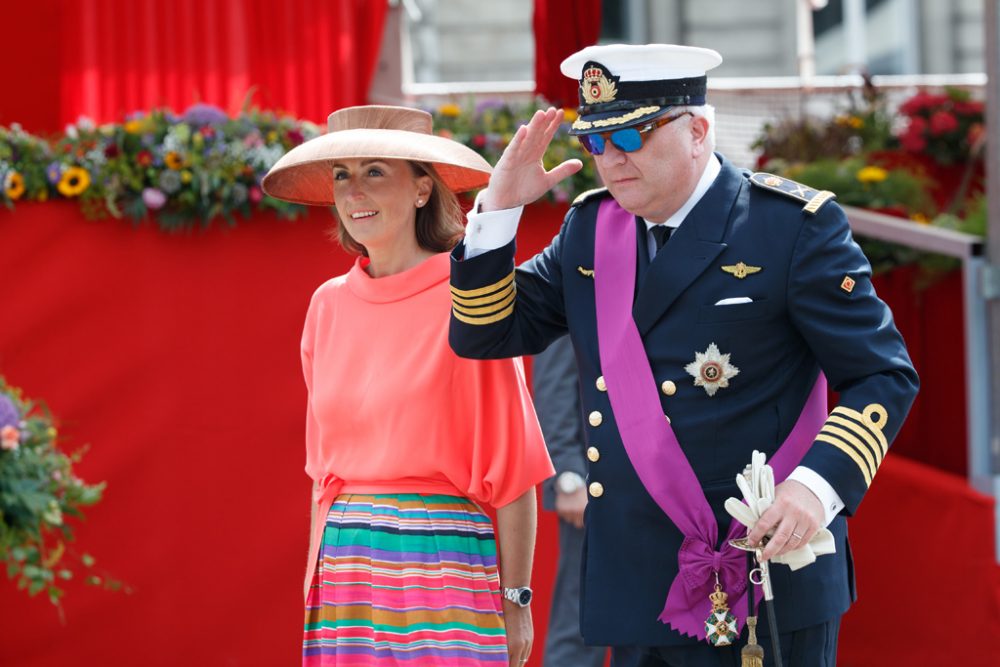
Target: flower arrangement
949 127
38 494
922 163
488 126
196 166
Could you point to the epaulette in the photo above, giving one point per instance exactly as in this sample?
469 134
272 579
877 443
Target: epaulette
811 197
589 194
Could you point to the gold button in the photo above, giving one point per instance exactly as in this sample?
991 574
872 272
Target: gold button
668 418
669 388
596 489
596 418
593 455
601 386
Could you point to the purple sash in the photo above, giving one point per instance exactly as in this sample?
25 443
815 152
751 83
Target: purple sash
652 446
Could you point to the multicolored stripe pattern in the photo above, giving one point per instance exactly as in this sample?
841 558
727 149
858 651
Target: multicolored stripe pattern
408 580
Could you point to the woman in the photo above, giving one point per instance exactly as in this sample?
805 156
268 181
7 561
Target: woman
404 440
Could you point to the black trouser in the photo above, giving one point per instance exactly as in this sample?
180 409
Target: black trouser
815 646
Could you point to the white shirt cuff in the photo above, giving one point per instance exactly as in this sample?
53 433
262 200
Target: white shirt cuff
812 480
489 231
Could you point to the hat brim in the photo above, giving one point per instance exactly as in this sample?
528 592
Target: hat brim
616 120
304 175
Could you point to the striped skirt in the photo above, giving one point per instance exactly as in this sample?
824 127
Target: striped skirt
405 579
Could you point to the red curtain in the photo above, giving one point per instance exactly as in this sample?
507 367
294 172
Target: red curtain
106 58
562 27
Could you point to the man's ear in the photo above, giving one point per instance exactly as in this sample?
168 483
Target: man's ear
699 135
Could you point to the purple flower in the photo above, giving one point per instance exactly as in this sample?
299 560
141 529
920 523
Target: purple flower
9 416
489 104
153 199
204 114
54 172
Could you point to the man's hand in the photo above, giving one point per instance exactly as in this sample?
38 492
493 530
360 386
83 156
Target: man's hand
795 517
570 506
519 177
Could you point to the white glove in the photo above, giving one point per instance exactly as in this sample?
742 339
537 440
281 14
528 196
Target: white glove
757 485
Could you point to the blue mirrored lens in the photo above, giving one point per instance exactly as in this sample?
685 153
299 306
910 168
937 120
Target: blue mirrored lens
593 143
627 140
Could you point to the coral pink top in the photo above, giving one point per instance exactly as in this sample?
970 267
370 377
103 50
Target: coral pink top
392 409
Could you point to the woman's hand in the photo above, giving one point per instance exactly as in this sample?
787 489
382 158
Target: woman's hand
516 524
519 177
520 633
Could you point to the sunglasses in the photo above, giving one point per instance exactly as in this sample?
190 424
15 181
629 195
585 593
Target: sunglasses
627 140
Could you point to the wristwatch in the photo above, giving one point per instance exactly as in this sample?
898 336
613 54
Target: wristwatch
519 596
569 482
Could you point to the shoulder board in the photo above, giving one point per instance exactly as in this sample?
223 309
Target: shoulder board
589 194
812 198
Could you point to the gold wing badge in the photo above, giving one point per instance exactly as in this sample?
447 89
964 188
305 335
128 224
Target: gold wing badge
741 270
587 273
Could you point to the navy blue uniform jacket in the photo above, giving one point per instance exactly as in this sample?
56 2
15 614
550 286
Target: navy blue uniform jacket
812 307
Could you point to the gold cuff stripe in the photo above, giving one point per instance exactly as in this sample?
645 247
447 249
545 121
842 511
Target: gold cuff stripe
492 298
831 430
580 124
483 320
498 285
873 428
860 431
486 310
822 437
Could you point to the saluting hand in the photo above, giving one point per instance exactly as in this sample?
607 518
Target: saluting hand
519 177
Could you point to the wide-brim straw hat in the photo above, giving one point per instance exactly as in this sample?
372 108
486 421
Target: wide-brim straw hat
304 175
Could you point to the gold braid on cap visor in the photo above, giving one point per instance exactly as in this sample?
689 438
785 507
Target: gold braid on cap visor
580 124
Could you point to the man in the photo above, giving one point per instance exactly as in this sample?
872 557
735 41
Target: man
556 392
706 305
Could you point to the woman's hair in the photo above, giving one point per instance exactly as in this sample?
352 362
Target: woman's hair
439 222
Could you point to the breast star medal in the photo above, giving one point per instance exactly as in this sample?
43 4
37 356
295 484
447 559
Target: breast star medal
720 626
711 369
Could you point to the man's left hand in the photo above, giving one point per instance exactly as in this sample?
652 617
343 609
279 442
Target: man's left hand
794 517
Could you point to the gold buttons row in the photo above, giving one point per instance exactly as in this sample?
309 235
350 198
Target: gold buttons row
668 387
593 455
596 489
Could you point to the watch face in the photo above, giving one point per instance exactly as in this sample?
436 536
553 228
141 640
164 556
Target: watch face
524 597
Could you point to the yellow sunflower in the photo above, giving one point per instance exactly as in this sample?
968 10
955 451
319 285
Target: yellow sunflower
14 185
73 182
173 160
450 110
134 126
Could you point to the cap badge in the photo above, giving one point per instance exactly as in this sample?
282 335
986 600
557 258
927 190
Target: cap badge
711 369
596 86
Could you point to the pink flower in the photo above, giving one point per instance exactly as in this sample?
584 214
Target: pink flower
56 475
943 122
10 438
153 199
255 194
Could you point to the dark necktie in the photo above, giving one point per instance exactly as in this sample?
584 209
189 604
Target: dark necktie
661 233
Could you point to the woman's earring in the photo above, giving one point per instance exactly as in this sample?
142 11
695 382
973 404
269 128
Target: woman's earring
420 202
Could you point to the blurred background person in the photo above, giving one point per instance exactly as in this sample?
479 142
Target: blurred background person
556 391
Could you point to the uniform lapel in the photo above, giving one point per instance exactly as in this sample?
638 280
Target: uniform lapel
691 249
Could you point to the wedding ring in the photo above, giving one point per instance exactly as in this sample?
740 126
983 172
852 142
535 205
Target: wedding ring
797 536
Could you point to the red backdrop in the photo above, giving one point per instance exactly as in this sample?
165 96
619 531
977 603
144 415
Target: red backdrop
106 58
562 27
176 358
